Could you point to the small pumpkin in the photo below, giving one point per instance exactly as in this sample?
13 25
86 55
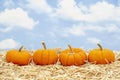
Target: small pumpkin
20 57
101 56
72 56
45 56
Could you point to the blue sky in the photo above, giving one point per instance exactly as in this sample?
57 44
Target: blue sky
81 23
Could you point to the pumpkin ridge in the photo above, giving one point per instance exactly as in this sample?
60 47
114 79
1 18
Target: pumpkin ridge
106 59
101 52
42 57
101 57
74 60
81 62
71 52
48 58
68 59
62 59
66 63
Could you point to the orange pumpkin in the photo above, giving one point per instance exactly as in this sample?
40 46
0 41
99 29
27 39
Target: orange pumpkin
101 56
20 57
45 56
72 56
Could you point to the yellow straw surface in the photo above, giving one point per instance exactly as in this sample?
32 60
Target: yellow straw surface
88 71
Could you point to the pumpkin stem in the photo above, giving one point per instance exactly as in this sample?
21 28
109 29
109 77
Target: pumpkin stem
70 48
100 46
21 48
44 46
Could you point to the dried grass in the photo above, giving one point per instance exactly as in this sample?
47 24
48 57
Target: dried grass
88 71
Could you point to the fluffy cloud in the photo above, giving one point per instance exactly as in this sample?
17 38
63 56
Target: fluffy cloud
8 43
68 9
82 29
113 28
39 6
16 18
75 30
93 40
101 11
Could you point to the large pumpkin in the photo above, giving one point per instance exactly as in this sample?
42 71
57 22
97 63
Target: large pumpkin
72 56
20 57
45 56
101 56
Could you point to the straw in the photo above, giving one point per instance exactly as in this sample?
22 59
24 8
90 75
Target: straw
88 71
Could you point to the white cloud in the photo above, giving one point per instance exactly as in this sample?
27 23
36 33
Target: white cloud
101 11
39 6
82 29
11 18
93 40
8 44
75 30
113 28
5 29
68 9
